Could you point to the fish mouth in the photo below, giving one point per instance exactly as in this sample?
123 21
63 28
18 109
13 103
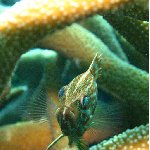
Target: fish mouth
66 118
65 113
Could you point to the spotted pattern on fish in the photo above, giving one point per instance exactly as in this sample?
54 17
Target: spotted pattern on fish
78 101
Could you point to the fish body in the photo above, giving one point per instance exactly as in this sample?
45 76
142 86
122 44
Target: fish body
78 101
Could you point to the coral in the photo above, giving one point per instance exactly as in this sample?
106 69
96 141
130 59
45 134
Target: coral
31 23
138 10
38 58
135 57
130 139
11 136
118 78
101 28
137 34
30 20
37 136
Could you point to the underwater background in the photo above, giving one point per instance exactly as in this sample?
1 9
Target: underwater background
45 44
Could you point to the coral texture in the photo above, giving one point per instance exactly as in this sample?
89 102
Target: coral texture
106 34
137 34
37 136
12 135
136 138
30 20
124 76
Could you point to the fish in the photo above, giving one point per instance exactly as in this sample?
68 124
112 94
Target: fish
79 113
77 104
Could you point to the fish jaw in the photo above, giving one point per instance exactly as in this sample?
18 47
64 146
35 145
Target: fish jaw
71 124
66 119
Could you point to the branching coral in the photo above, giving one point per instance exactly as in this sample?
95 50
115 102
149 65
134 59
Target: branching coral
30 20
135 16
135 57
101 28
37 136
137 34
138 10
130 139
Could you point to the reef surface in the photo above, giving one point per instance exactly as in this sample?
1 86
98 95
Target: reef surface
44 44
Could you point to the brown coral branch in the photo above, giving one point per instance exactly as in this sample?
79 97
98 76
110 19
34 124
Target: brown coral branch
27 135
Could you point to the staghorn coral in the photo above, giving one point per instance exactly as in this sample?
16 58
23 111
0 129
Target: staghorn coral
101 28
30 40
116 42
137 34
136 138
138 10
134 56
34 19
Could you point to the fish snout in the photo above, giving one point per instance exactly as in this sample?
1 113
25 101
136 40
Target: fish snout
66 118
65 114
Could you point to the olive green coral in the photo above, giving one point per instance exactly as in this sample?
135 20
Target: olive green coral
137 34
101 28
136 138
137 10
19 30
135 57
115 41
28 21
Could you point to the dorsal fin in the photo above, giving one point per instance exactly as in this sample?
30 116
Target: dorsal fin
95 68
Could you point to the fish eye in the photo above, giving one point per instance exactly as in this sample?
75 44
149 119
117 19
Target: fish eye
61 92
85 101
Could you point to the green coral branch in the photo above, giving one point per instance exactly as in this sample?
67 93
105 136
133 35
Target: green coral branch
101 28
24 24
138 10
126 140
120 79
135 31
134 56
